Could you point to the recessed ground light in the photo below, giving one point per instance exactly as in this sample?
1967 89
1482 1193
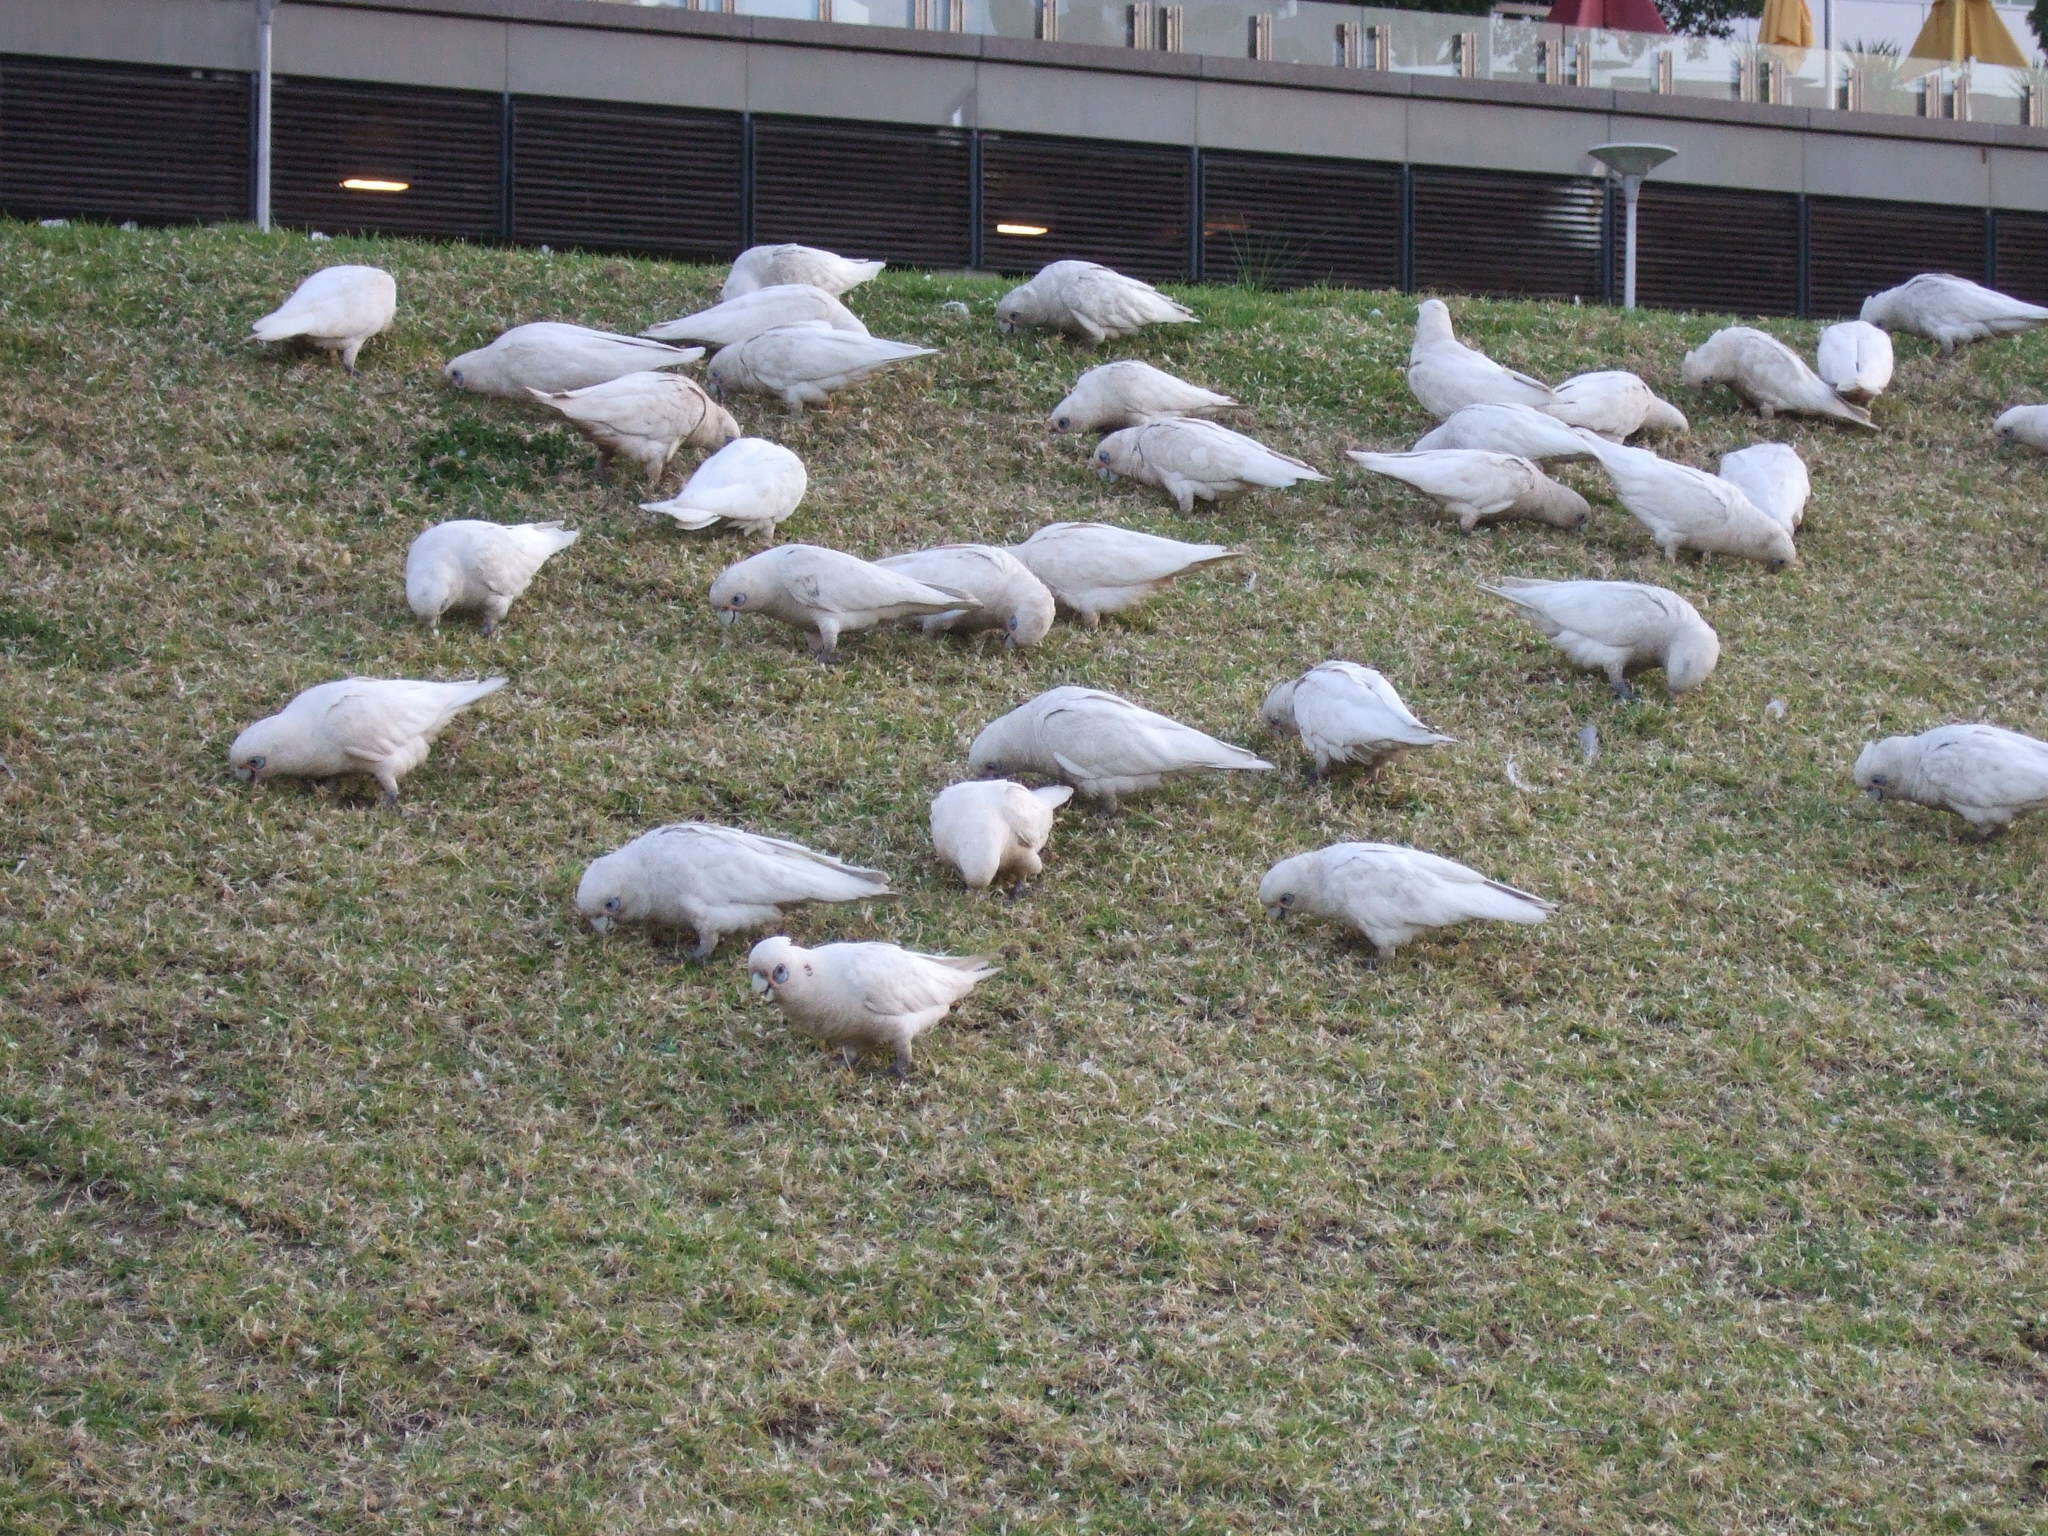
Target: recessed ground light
374 184
1022 229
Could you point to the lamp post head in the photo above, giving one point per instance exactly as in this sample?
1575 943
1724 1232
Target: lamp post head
1631 159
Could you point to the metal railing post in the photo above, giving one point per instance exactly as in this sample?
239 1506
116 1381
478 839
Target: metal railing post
265 9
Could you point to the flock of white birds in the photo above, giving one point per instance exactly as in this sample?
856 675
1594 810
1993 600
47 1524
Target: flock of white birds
782 330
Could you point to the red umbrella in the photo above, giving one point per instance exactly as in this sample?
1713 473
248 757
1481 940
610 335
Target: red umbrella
1621 15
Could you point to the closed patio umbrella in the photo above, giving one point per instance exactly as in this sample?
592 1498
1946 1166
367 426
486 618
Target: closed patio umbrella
1966 29
1786 24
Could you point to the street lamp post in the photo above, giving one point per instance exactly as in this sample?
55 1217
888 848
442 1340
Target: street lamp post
264 11
1631 162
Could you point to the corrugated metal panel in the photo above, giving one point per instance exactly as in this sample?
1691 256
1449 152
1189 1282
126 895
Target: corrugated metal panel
2023 255
864 189
1856 247
1715 248
1124 205
1283 221
446 144
107 141
611 177
1495 232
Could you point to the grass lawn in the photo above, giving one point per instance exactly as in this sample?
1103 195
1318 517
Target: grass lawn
348 1184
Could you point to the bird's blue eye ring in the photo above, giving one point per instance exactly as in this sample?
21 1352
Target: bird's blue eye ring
779 975
739 599
256 762
611 904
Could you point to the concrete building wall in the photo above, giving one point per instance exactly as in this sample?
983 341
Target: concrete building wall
676 57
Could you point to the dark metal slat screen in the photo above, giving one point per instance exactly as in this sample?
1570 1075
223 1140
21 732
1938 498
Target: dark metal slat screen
612 177
446 145
1856 248
1285 222
114 142
1714 248
1125 205
1518 236
864 189
2023 256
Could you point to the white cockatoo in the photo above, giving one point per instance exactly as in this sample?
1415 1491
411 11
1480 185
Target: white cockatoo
1390 893
769 266
994 830
803 364
750 484
1617 628
1773 477
1499 427
1098 568
1130 393
1984 773
733 320
1345 713
382 727
714 881
552 357
1194 460
863 997
1950 310
1615 403
1687 508
825 592
1446 375
1854 359
1476 486
1103 745
2026 425
1768 375
467 566
644 418
336 309
1089 302
1009 599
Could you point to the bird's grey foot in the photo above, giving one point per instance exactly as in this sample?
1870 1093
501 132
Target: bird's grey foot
900 1067
1310 773
1625 691
1017 891
489 626
849 1058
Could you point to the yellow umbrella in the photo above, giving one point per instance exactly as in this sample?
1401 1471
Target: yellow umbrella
1787 24
1966 29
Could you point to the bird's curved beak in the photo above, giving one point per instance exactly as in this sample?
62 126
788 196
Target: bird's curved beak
1005 326
760 984
600 924
1104 472
1274 909
1876 794
728 616
246 775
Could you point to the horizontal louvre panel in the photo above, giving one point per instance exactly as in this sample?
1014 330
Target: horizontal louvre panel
1714 248
1283 222
1857 248
626 178
2023 256
1124 205
115 142
446 144
865 190
1532 237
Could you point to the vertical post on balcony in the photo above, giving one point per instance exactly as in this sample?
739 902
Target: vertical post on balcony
1260 42
1667 81
1140 28
264 11
1465 51
1048 21
1348 52
1379 47
1170 18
